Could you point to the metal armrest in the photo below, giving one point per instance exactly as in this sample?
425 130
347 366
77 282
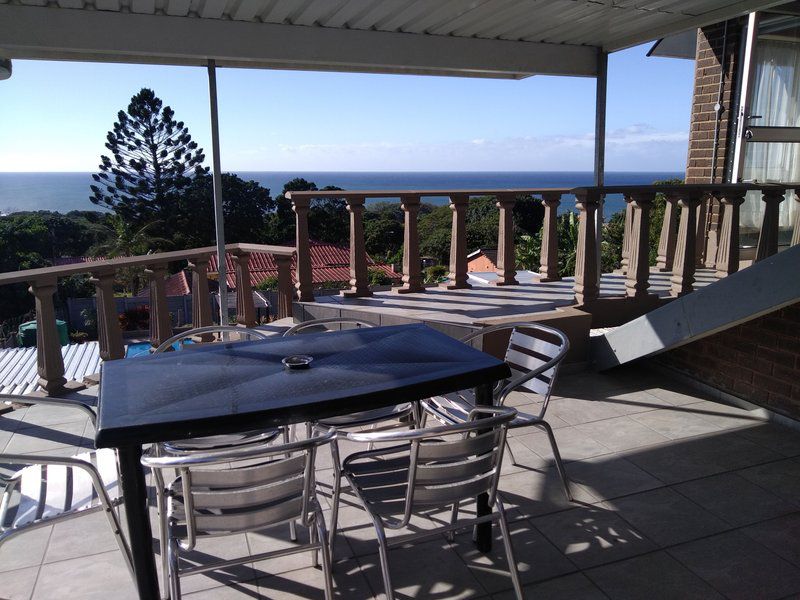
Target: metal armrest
52 401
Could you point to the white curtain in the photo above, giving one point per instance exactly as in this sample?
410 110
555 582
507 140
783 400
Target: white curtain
776 97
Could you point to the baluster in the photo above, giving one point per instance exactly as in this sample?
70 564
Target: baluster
706 248
638 274
109 334
626 236
412 274
548 269
201 307
668 239
245 306
768 237
284 285
359 279
160 323
49 361
506 259
796 230
728 249
303 275
458 244
682 279
586 275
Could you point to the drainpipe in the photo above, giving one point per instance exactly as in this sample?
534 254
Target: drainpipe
718 105
219 218
600 146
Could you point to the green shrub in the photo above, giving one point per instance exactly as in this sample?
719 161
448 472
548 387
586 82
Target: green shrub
268 284
378 277
436 274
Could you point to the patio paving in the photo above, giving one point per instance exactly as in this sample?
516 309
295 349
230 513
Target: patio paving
675 497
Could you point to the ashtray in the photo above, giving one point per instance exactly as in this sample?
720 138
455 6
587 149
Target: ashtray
298 361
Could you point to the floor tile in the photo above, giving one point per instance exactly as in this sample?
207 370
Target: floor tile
26 549
348 582
37 438
569 587
735 499
655 575
92 530
612 476
573 444
781 535
725 416
89 578
621 433
533 493
674 423
780 439
209 550
592 536
18 585
676 394
636 401
576 411
240 590
781 478
738 567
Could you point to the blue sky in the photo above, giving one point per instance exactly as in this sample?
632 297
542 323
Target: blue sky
54 117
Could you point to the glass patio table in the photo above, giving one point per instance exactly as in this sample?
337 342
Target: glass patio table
230 387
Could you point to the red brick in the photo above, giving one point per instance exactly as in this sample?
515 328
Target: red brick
771 384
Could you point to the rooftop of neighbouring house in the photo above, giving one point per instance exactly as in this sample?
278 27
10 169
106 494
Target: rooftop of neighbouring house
677 496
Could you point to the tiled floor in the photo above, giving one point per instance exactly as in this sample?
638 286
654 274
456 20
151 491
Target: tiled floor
675 497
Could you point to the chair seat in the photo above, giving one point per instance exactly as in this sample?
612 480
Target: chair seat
47 491
229 440
455 408
368 417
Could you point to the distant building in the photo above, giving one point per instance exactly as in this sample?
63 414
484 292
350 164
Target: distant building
483 260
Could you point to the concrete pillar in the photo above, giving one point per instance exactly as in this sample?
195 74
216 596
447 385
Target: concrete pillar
727 261
706 249
587 286
160 323
682 279
506 258
109 333
412 273
201 307
458 244
303 273
638 274
796 230
768 237
285 295
626 237
548 269
49 362
359 277
668 239
245 306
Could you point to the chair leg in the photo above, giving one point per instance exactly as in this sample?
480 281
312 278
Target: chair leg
383 552
337 490
161 508
451 535
319 523
313 534
292 524
512 562
174 576
562 472
511 453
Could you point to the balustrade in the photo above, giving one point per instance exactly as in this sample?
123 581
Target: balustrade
768 236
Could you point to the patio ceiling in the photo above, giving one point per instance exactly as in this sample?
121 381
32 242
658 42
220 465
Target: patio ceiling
483 38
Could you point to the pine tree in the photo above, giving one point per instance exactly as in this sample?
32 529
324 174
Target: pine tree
152 158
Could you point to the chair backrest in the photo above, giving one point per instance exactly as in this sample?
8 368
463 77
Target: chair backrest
242 489
534 355
177 341
452 462
316 324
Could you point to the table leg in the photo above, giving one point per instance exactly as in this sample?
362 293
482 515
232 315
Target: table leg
483 531
140 536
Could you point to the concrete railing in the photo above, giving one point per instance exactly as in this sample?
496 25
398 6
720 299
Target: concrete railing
681 247
43 282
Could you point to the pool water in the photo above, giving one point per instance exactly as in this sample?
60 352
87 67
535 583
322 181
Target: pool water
143 348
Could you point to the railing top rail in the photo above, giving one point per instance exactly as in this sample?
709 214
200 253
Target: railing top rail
99 266
677 188
419 193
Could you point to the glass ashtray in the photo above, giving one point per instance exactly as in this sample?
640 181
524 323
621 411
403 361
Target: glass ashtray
297 361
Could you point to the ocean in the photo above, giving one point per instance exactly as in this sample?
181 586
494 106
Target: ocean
63 192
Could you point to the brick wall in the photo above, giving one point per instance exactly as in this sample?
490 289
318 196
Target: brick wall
758 361
481 264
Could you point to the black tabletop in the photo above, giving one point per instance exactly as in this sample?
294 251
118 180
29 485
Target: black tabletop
227 387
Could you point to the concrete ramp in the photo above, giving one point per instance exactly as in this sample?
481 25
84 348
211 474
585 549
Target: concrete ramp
755 291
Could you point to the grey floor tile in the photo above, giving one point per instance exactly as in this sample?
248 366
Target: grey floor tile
676 394
780 439
780 477
88 534
636 401
738 567
621 433
651 576
531 493
593 536
725 416
569 587
781 535
666 517
537 559
308 583
243 590
573 444
209 550
675 423
18 585
44 415
91 577
37 438
277 538
611 476
576 411
735 499
25 549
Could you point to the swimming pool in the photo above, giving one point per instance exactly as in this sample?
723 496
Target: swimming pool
143 348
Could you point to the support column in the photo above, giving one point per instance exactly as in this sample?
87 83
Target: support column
109 333
160 323
727 261
458 244
706 249
682 279
638 274
548 269
201 307
303 273
796 231
285 295
626 236
587 287
668 239
245 307
768 237
49 362
506 258
359 277
412 273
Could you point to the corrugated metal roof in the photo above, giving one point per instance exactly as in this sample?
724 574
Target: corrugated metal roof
18 373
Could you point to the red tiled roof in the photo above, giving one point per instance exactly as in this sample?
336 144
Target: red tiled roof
177 284
75 260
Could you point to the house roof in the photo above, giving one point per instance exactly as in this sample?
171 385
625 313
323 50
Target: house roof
480 38
18 370
75 260
490 253
177 284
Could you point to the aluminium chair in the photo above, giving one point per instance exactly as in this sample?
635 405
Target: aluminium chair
534 354
428 469
238 489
